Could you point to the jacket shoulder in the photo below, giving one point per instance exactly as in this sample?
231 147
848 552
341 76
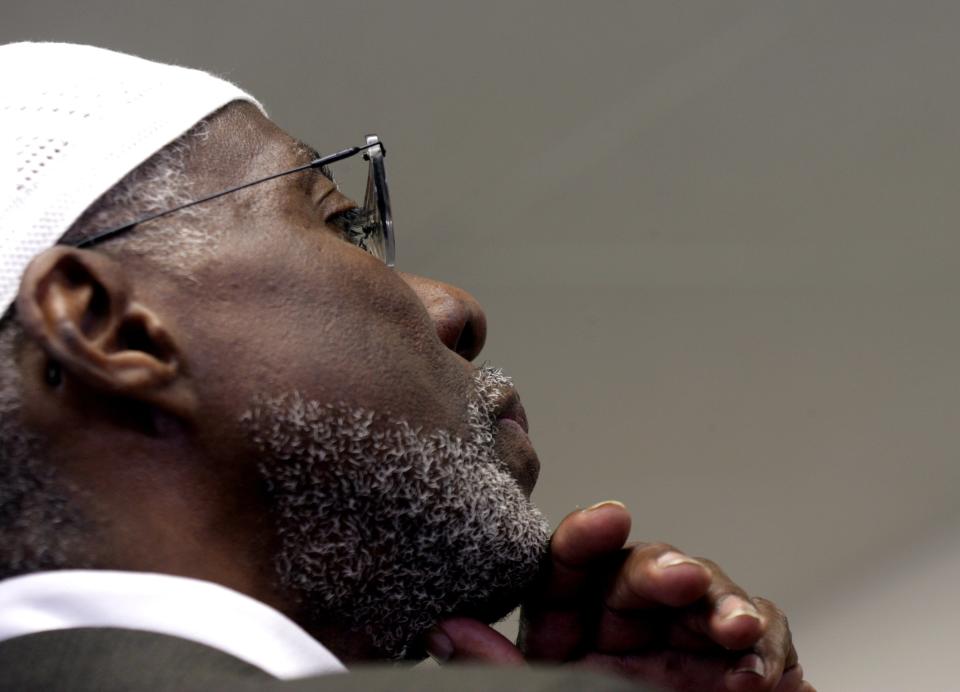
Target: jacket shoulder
115 660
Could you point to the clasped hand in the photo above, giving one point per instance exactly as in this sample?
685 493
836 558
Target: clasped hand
647 611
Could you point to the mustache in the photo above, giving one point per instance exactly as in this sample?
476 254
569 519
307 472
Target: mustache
491 388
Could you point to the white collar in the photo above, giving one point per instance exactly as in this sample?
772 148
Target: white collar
191 609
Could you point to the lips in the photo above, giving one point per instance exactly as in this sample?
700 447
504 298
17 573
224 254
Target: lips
512 409
512 444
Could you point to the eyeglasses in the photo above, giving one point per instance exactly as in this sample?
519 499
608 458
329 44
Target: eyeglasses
369 226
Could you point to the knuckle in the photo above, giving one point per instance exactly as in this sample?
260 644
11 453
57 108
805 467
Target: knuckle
769 608
778 638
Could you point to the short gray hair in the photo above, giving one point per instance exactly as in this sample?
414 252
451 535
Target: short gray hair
160 183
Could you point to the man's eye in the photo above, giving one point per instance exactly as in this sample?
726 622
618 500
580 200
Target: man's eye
355 225
343 221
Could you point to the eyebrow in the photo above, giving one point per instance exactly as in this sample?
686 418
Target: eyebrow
311 154
306 150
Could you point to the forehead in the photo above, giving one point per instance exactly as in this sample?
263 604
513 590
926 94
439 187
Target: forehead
242 142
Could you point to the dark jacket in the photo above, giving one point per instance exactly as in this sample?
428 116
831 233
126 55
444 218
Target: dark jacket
112 659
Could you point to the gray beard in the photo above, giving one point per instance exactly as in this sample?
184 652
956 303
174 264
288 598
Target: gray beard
384 529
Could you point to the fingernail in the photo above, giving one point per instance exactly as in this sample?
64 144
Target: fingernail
605 504
751 664
439 645
733 607
672 558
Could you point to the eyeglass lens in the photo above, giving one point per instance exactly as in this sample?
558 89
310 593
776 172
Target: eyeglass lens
371 226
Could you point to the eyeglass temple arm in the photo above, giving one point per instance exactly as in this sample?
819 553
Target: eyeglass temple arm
316 163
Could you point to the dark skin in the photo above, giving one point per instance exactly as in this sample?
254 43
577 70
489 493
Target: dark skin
156 372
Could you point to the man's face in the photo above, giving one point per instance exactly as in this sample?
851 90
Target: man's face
396 473
289 303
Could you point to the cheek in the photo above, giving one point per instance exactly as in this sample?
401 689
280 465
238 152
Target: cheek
375 346
338 326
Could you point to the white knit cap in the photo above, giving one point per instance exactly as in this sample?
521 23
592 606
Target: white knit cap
74 120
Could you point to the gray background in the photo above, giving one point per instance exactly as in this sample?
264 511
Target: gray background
716 243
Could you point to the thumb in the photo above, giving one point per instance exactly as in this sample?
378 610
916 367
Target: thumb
466 640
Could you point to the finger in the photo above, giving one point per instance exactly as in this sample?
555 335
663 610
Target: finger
652 577
727 615
552 619
722 614
763 667
656 574
466 639
581 539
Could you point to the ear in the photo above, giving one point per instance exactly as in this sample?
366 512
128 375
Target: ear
77 305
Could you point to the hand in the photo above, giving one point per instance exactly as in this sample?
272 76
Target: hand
646 611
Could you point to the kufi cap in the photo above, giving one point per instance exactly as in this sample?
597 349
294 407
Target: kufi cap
74 120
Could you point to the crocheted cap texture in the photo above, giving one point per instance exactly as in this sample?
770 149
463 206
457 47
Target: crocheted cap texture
74 120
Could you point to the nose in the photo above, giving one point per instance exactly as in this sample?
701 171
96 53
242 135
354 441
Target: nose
459 319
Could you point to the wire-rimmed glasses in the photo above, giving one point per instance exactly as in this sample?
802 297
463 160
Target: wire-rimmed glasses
369 226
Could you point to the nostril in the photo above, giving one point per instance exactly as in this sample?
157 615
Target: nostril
466 344
473 333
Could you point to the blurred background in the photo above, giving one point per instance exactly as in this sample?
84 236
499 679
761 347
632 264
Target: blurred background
717 246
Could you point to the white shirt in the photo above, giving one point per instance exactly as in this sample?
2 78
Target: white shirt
191 609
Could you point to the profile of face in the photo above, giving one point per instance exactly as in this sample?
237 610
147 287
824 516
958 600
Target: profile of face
335 403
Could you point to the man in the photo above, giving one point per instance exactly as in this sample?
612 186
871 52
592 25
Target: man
240 447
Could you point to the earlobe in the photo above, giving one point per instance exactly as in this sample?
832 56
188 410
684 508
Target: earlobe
77 305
